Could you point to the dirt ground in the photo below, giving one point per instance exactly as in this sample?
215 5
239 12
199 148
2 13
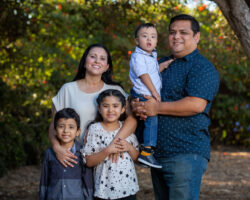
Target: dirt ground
227 178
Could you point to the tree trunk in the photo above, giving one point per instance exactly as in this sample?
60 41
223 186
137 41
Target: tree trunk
237 13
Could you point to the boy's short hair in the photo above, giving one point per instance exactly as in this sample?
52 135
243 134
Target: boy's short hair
194 23
146 25
67 113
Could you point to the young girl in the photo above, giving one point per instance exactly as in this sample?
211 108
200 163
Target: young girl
112 180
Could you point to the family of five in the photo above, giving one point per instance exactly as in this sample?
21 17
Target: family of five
96 126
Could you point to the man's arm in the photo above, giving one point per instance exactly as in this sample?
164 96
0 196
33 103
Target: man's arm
187 106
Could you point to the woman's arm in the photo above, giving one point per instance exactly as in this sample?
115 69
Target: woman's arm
133 152
65 157
129 124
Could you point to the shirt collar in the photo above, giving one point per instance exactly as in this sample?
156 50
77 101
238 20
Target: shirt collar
73 149
189 56
139 50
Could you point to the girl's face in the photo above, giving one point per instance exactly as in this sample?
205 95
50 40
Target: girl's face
111 109
96 61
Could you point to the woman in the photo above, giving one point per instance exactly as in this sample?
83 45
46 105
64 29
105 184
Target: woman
93 77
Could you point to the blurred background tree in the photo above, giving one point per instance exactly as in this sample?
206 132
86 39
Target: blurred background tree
42 42
237 13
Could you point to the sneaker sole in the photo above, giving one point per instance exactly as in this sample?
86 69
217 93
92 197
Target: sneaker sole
149 164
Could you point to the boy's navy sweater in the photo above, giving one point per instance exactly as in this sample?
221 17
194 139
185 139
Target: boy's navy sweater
65 183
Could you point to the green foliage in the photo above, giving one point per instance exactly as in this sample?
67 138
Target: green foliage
43 41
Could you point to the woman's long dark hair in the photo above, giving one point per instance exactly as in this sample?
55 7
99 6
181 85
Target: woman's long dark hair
106 76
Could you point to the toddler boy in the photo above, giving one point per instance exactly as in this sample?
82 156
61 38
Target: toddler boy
145 76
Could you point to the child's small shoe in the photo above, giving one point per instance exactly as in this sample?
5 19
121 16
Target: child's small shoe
146 157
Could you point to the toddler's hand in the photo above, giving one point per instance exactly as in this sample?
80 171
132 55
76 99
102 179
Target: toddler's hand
156 96
164 65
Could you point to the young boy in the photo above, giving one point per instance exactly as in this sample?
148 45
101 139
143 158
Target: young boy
145 76
58 182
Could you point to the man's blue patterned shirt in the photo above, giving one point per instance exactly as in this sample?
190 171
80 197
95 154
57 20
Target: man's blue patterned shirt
192 75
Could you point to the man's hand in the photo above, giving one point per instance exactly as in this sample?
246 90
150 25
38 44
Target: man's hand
138 108
145 109
151 106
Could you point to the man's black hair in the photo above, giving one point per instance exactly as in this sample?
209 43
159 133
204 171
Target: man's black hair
194 23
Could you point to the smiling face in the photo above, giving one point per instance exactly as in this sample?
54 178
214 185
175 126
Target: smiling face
96 61
66 131
182 40
147 39
111 109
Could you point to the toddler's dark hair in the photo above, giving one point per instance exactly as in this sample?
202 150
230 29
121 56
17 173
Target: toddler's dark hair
67 113
146 25
108 93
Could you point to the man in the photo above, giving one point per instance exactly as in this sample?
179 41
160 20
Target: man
189 85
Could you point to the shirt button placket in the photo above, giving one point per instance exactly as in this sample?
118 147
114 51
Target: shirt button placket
63 181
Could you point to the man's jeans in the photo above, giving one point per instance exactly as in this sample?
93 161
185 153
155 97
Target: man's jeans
150 126
180 177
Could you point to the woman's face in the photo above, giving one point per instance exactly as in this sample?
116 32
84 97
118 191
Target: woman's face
96 61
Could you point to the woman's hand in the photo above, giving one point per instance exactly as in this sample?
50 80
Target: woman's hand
124 146
114 156
114 150
65 157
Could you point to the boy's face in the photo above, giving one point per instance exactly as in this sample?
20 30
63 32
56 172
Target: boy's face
66 131
147 39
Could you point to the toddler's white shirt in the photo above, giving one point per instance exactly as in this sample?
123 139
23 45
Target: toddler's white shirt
141 63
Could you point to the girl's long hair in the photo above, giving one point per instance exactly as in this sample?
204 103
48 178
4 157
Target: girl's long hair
106 76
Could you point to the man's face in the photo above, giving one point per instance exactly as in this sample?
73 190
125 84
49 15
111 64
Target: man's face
182 40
